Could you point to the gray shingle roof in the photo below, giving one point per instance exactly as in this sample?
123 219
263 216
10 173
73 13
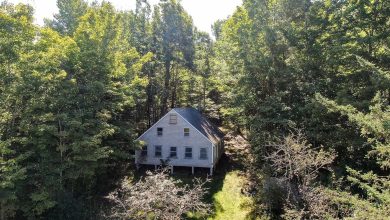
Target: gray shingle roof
201 123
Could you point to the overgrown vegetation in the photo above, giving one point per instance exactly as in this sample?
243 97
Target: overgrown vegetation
307 82
321 67
158 196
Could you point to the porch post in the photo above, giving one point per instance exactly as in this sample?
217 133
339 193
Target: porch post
193 169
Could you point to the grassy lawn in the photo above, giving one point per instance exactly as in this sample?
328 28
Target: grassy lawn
226 198
229 202
225 195
224 188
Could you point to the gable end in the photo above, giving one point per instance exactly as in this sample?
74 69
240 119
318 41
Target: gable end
154 125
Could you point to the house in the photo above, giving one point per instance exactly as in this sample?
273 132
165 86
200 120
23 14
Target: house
182 137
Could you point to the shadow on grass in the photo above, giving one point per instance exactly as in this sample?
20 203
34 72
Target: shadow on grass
185 176
229 162
225 165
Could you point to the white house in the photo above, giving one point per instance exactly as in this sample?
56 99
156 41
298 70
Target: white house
183 137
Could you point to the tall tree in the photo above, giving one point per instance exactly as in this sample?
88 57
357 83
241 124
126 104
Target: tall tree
16 40
69 13
279 54
66 121
173 30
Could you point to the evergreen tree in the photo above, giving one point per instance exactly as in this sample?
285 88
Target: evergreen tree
67 19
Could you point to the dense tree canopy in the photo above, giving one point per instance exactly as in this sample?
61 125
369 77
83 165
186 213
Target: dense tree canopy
321 67
307 82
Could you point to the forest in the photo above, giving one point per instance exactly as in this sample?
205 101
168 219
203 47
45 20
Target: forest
305 82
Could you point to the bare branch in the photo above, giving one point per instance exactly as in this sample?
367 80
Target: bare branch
158 196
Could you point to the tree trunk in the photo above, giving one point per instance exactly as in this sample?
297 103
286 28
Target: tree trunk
164 102
150 101
174 88
204 93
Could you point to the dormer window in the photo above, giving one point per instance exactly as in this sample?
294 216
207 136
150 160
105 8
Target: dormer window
186 132
159 131
172 119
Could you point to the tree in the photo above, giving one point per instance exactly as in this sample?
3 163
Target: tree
364 101
67 20
374 125
274 56
173 30
296 166
217 28
64 119
158 196
16 40
203 63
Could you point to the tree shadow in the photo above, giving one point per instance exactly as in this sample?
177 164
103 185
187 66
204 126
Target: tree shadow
235 158
213 185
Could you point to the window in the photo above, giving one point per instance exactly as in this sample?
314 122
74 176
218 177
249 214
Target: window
159 131
186 132
144 151
157 151
173 152
188 153
172 119
203 153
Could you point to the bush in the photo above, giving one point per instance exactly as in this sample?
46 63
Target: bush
158 196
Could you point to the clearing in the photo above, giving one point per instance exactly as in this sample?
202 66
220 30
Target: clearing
229 181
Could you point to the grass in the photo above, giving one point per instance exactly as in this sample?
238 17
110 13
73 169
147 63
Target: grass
226 185
224 194
229 202
224 188
226 198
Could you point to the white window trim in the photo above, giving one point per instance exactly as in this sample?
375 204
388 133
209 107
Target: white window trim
170 150
154 125
162 131
146 150
155 147
185 152
173 110
200 154
193 127
170 118
184 132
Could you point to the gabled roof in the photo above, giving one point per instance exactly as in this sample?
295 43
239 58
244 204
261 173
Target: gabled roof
201 123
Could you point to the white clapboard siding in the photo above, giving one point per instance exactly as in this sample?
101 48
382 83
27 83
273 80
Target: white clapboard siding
173 136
